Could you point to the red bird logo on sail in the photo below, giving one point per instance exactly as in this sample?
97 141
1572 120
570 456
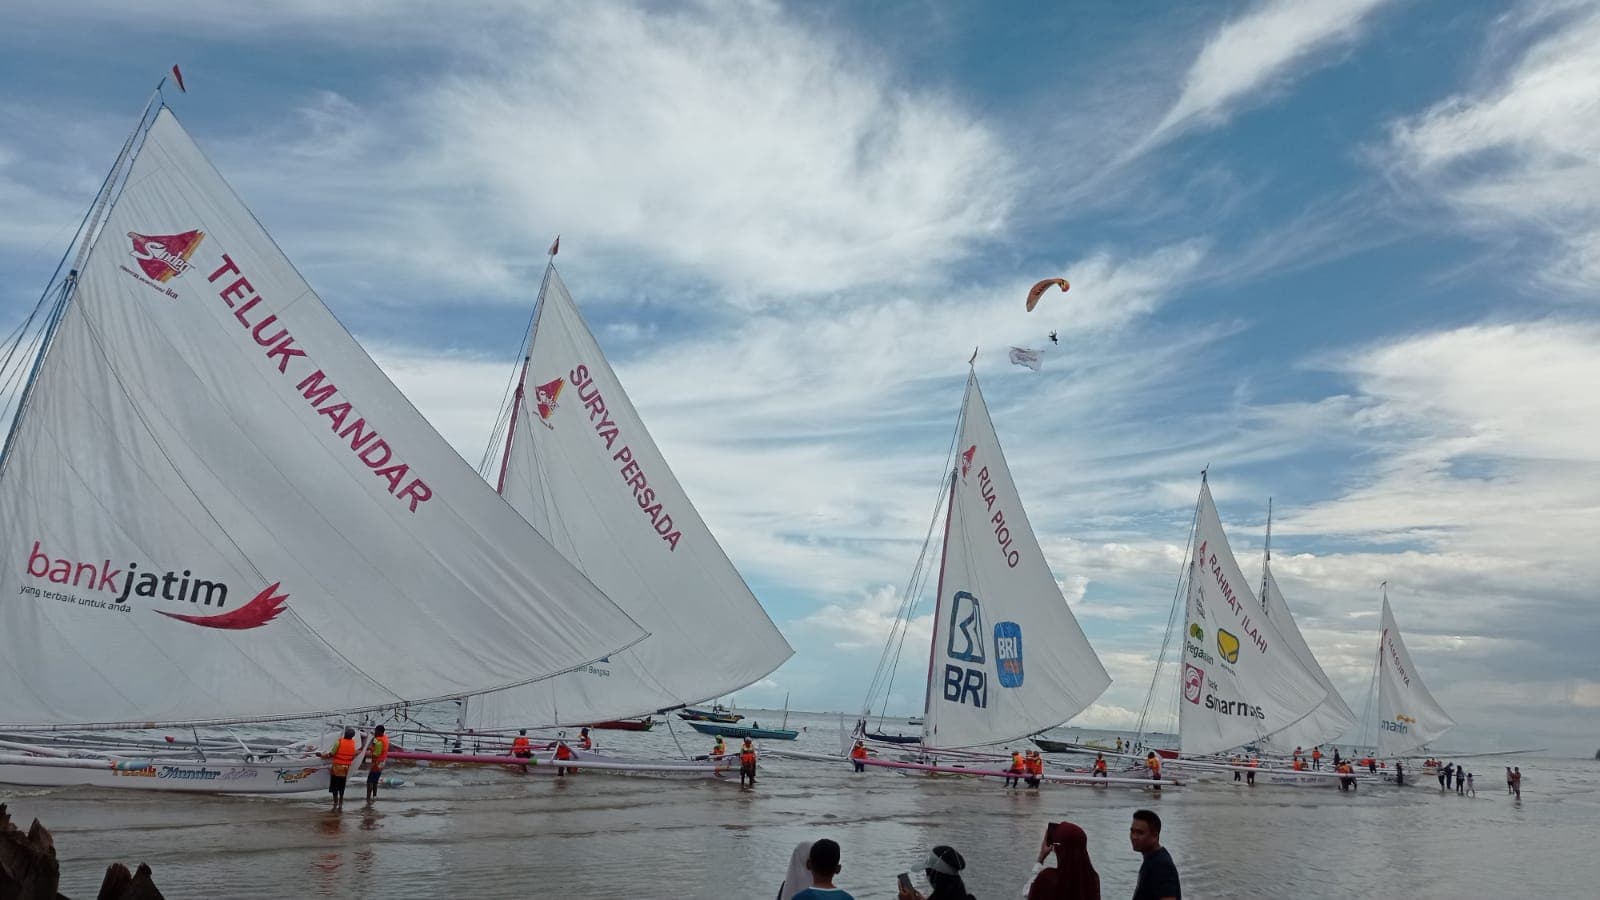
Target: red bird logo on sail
966 459
262 608
165 256
545 395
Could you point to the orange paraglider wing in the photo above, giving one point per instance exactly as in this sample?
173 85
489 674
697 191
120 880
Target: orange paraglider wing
1038 290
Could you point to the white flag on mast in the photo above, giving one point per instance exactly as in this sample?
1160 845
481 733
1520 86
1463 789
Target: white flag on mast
1031 359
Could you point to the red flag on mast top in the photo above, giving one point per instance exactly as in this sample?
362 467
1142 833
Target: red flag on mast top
178 77
555 246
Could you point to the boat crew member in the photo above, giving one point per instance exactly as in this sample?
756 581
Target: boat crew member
1234 761
1316 757
584 740
1346 782
1153 763
1299 764
1017 768
747 763
719 750
1035 765
1119 745
1336 757
1099 765
563 752
343 755
857 754
377 754
1399 772
1297 753
1250 776
1372 765
519 745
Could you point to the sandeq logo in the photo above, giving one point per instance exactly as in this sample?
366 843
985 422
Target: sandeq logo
966 459
1008 653
544 399
110 588
164 257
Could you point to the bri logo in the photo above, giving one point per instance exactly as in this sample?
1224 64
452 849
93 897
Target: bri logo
1008 653
966 626
126 582
966 460
1193 678
164 257
544 398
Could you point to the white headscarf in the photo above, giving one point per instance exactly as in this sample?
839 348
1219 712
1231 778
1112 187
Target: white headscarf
798 878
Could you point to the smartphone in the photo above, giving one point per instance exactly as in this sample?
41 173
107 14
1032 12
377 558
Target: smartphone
905 881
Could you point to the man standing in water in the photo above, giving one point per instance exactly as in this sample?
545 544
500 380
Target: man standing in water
1516 782
747 763
1158 875
343 755
377 753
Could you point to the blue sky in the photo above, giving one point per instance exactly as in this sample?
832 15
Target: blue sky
1345 253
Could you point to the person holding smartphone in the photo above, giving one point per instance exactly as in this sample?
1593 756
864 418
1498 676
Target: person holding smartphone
943 868
1073 877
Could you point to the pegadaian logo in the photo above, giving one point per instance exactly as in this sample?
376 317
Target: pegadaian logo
118 585
164 257
1196 632
544 398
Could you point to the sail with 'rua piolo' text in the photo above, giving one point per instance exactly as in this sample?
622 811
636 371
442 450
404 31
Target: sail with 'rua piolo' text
1332 717
218 508
1240 680
1009 658
1408 715
582 468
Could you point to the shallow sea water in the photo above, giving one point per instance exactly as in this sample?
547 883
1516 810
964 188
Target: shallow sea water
479 832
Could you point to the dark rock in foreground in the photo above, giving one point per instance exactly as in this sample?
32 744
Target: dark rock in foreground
29 871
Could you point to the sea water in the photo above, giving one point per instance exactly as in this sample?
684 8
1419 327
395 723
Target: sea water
489 832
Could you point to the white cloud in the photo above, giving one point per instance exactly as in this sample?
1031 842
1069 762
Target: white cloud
1256 52
1522 154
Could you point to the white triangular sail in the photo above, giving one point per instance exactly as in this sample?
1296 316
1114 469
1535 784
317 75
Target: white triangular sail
1332 717
1408 716
1240 679
218 508
1009 659
582 468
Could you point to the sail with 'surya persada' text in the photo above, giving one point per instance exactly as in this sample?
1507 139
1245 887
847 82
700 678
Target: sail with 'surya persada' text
216 507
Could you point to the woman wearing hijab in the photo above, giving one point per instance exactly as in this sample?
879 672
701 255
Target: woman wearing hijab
798 877
1073 877
943 868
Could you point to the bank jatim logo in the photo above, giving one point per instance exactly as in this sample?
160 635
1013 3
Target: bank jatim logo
105 585
164 257
1193 678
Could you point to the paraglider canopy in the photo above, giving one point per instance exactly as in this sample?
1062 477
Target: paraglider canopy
1038 290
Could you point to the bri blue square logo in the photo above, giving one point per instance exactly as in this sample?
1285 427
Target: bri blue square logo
1008 653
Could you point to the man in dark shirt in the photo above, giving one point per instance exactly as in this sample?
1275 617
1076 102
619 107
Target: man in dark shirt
1158 877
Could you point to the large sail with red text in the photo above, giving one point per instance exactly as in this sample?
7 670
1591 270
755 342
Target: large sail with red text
1009 658
218 507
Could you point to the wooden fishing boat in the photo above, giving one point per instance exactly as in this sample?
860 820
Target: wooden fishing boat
644 724
722 729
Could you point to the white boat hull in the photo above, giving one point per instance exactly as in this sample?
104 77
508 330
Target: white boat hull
189 776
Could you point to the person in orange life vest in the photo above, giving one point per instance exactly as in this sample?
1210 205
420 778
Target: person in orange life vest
584 741
1016 769
1099 765
857 754
377 754
747 763
1297 752
1250 776
719 750
1316 757
519 745
1299 764
343 755
563 752
1035 768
